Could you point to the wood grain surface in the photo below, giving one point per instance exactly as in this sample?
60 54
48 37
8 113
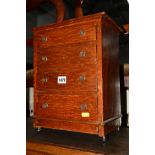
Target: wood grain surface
64 55
46 149
66 35
111 80
76 126
92 81
67 107
74 78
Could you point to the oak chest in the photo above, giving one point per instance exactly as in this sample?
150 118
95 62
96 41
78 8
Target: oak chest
76 75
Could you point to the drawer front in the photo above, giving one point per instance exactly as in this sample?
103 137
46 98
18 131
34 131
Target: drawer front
65 35
67 107
82 78
75 54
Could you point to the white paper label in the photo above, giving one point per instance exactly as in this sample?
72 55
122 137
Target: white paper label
62 80
85 114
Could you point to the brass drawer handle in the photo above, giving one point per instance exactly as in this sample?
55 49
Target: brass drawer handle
82 53
44 39
45 80
45 105
82 78
83 107
44 58
82 32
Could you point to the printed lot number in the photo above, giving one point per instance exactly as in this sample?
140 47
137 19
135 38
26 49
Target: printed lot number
62 80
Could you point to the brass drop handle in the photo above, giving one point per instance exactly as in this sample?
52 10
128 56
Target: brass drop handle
83 107
45 80
44 39
82 78
82 32
44 58
82 53
45 105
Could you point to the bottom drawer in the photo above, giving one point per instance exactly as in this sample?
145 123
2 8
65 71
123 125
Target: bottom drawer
67 107
74 126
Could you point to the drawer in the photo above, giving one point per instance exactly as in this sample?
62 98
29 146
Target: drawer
82 78
65 35
75 54
67 107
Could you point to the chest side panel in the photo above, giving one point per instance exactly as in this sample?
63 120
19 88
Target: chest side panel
111 80
111 71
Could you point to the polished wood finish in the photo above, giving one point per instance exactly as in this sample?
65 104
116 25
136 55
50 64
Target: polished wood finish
73 78
78 53
85 50
56 105
111 80
76 126
67 34
34 148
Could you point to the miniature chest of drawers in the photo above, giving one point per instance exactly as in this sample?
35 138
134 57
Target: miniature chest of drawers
76 75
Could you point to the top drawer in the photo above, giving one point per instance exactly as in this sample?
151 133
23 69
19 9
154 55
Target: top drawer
65 35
